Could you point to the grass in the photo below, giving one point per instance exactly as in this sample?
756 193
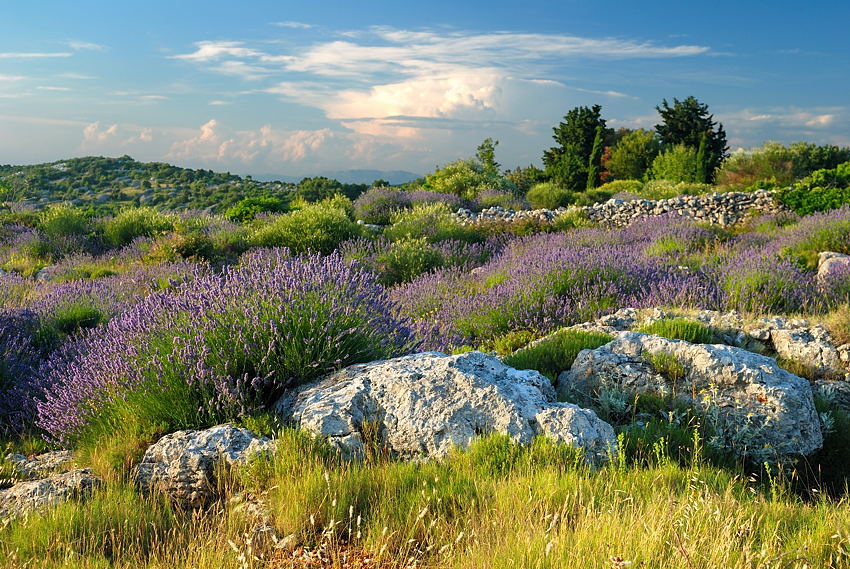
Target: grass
680 329
556 353
495 505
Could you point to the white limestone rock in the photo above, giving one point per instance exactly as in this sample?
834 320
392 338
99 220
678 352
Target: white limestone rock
428 403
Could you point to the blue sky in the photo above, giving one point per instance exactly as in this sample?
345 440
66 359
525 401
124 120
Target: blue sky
296 88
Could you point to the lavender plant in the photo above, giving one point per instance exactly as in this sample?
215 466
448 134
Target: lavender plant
222 345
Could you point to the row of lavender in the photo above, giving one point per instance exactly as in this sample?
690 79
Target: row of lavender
218 343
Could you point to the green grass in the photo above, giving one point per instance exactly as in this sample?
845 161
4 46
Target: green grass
680 329
494 505
557 352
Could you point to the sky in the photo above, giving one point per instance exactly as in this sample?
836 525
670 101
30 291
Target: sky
297 88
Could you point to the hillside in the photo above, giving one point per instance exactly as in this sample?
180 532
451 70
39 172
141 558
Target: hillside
108 184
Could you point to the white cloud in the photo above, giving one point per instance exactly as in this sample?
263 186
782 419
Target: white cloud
10 78
86 46
218 102
293 25
94 135
32 55
53 88
214 50
78 76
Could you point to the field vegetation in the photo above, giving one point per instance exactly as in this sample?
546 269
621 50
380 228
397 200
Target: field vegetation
121 323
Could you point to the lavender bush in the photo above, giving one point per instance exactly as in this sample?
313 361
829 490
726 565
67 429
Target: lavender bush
18 360
378 205
222 345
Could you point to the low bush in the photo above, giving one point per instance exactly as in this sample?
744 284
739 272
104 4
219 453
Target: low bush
491 198
666 189
129 224
680 329
406 259
548 195
316 227
573 218
433 222
248 208
822 190
556 353
622 187
63 221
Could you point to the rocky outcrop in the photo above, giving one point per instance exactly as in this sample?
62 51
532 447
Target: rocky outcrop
183 463
37 495
812 347
720 209
423 405
42 465
757 408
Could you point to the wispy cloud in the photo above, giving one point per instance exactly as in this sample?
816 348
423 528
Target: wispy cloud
293 25
76 76
33 55
53 88
86 46
4 78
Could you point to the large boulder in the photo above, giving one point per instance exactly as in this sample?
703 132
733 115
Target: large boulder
37 495
757 408
183 463
42 465
423 405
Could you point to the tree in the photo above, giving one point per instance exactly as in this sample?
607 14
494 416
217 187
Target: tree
595 158
632 156
566 164
380 183
685 122
486 155
702 159
677 164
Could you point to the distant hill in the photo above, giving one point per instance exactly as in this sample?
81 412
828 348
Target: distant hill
394 177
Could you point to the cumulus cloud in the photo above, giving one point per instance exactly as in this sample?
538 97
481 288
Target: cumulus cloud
93 134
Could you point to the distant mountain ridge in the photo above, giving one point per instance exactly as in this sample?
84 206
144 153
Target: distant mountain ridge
394 177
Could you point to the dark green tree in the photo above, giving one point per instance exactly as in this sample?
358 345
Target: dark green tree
684 122
595 159
632 156
486 155
702 159
566 164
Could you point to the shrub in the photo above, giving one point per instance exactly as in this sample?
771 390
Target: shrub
136 222
491 197
377 205
622 187
316 227
63 221
548 195
677 164
665 189
466 178
248 208
19 358
571 219
556 353
816 233
220 346
632 155
512 341
434 222
680 329
406 259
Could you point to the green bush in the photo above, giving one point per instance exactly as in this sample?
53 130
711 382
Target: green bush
63 221
465 178
316 227
822 190
622 187
548 195
136 222
665 189
248 208
556 353
832 236
406 259
512 341
680 329
434 222
677 164
571 219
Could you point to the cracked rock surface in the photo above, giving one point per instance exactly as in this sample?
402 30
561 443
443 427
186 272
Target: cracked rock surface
756 406
425 404
37 495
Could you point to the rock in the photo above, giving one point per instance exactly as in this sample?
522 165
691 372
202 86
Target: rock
810 346
42 465
831 264
182 464
425 404
757 408
37 495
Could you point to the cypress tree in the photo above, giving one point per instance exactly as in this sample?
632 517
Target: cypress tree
595 158
702 159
